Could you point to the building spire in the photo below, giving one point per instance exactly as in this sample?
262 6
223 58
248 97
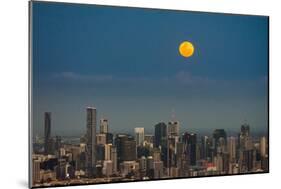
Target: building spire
173 114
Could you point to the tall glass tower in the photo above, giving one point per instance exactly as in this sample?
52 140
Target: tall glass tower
91 141
47 132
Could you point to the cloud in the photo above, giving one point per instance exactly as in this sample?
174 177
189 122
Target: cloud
187 78
80 77
72 76
180 78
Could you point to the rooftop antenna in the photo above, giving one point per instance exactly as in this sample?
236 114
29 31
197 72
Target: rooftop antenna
173 114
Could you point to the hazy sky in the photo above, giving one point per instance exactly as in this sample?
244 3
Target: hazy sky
125 62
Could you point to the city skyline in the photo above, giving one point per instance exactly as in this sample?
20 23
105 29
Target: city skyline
132 71
102 157
148 129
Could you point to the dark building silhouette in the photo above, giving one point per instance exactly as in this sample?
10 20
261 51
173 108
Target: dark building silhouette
61 169
206 148
160 134
243 136
100 152
126 148
245 130
129 151
217 134
247 161
109 138
190 142
160 139
47 132
91 141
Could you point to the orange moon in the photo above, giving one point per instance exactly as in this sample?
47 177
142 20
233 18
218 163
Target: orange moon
186 49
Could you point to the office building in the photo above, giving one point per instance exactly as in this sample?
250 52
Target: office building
104 126
244 136
126 148
263 147
217 134
173 128
114 159
47 132
107 151
139 135
91 140
231 143
160 135
190 147
101 138
109 138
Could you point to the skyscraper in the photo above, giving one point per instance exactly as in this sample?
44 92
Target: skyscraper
190 142
114 158
47 132
244 135
91 140
217 134
100 152
139 135
173 128
107 151
205 147
143 166
103 126
129 150
245 129
160 134
263 147
161 139
126 148
119 140
264 153
109 138
231 146
101 138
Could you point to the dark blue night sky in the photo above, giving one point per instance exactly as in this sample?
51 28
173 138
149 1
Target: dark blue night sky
125 62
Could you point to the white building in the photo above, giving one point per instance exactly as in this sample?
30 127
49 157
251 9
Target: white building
139 135
104 126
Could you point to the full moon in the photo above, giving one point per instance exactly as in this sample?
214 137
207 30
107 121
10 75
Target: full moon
186 49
